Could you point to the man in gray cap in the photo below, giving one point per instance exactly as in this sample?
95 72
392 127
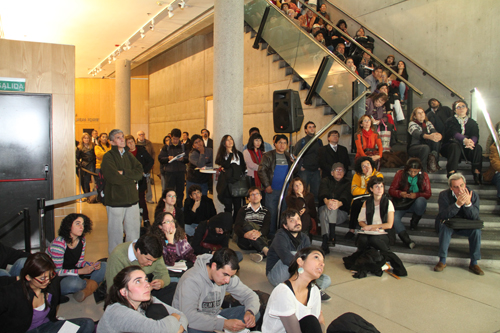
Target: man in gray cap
335 201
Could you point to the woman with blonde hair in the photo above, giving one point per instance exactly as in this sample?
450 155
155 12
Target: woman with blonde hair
85 158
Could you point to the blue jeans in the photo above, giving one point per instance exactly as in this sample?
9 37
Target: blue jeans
72 284
496 181
311 178
15 270
190 228
237 312
418 207
474 236
279 274
86 326
204 186
402 90
272 200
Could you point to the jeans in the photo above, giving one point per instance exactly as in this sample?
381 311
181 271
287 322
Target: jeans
72 284
229 202
86 326
402 90
496 181
190 228
237 312
175 180
122 219
204 186
15 269
311 178
327 217
279 274
272 200
474 236
418 207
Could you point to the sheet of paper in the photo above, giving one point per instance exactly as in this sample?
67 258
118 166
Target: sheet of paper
69 327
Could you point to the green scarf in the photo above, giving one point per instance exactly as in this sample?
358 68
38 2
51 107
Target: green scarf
412 181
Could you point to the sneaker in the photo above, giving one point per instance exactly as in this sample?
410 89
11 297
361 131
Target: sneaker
256 257
324 296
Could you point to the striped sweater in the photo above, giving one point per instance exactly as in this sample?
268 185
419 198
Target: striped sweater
56 251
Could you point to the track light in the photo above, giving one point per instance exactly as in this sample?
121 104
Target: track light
142 33
182 4
170 14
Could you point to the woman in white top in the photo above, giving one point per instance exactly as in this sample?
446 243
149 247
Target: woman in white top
295 305
376 216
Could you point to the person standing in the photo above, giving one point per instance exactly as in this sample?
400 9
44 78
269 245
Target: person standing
121 171
85 157
200 157
142 141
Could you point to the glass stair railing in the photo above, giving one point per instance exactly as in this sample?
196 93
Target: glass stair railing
327 76
428 84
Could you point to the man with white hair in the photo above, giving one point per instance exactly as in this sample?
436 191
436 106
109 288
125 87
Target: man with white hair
461 202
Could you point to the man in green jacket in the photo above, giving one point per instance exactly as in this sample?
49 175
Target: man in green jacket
121 171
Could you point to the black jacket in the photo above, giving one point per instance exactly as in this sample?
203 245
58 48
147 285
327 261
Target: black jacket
175 166
327 157
329 188
16 311
203 213
438 119
9 255
453 127
221 220
147 163
232 173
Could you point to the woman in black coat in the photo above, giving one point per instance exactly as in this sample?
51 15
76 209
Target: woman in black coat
30 303
232 167
461 140
147 162
85 157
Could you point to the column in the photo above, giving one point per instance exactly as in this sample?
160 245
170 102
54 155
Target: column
122 95
228 72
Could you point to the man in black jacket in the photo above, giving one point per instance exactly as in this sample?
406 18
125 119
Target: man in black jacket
174 171
335 194
197 208
437 115
332 153
11 256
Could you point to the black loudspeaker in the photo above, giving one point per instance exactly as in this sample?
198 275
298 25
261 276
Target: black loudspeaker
287 111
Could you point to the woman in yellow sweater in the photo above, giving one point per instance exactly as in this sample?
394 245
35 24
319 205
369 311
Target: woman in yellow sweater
365 169
100 149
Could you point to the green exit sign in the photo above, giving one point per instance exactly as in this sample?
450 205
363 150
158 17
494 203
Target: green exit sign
12 84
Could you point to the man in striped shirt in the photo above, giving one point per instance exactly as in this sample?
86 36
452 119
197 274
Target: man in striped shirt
252 226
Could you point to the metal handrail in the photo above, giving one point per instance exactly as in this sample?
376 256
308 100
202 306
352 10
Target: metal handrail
304 33
352 40
313 140
425 71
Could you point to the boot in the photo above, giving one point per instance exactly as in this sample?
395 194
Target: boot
81 295
405 238
324 245
414 221
332 234
392 236
431 164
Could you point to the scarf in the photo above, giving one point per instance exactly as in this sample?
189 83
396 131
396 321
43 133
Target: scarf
412 182
422 124
462 122
368 139
256 158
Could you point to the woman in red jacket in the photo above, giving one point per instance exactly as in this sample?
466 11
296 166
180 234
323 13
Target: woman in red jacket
367 139
410 191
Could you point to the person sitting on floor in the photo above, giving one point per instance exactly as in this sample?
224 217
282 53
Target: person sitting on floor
130 307
252 226
174 240
365 170
11 256
197 208
458 201
79 277
212 234
287 241
168 203
410 190
335 195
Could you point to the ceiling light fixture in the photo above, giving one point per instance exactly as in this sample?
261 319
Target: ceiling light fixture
170 11
182 4
142 33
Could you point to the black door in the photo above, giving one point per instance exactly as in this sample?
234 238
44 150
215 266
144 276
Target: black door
25 163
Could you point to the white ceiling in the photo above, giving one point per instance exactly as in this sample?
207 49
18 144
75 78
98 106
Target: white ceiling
98 28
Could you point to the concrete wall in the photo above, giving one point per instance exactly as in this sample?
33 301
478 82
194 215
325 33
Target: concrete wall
454 39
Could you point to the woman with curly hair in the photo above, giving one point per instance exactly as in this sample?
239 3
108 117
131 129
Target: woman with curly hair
302 200
175 244
365 170
85 158
79 277
410 190
131 308
168 203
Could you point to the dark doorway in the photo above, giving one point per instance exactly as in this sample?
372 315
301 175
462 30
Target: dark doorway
26 163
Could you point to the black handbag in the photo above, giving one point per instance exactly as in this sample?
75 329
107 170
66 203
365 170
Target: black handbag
403 203
459 223
239 188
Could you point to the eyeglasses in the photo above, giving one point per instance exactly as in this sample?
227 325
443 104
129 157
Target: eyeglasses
459 107
366 166
255 194
171 196
45 278
167 222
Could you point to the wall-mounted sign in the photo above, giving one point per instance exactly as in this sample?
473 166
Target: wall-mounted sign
83 120
12 84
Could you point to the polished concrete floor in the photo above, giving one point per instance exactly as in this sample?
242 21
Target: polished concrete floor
424 301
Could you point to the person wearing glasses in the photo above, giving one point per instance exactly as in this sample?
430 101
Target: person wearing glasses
174 241
79 277
29 304
168 204
461 141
